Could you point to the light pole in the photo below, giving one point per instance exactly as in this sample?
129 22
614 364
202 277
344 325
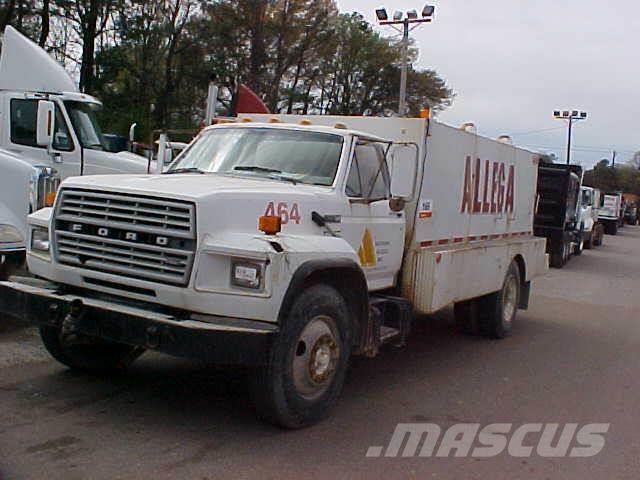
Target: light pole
571 116
406 20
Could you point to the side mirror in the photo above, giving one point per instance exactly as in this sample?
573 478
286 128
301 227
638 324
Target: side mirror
45 123
403 162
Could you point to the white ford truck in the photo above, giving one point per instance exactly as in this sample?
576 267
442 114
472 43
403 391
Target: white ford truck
286 244
36 94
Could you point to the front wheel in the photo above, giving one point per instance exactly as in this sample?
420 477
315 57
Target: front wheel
498 310
308 361
93 355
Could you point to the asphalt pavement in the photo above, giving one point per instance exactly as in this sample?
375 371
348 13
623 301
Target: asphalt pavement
573 358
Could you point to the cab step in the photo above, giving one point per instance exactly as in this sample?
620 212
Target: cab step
389 322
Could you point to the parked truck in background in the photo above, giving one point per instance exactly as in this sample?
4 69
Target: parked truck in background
36 94
557 213
287 244
589 207
610 212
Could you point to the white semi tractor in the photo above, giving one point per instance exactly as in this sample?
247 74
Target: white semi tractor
37 96
286 244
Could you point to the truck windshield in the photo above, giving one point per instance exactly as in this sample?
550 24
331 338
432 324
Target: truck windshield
288 155
85 123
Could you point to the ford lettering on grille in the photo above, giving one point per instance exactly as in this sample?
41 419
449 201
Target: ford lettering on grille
133 236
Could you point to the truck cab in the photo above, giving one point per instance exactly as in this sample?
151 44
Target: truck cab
28 76
589 207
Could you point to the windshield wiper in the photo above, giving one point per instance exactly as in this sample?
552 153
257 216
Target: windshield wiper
256 168
186 170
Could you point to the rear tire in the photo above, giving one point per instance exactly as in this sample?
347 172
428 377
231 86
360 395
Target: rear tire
497 310
99 356
588 241
308 361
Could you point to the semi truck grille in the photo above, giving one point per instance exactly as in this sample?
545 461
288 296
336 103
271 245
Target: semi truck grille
133 236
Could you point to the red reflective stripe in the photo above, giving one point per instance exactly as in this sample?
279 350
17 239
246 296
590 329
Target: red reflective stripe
443 241
458 239
426 243
471 238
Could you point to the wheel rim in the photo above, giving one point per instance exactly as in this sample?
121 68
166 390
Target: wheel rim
315 357
509 299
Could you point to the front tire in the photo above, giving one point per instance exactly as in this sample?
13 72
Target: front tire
95 356
497 310
308 361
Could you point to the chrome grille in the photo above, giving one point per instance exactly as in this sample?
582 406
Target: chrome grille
134 236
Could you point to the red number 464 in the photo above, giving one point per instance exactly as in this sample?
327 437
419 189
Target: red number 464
285 213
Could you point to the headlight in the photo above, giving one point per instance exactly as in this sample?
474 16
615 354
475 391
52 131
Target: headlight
246 274
10 234
44 185
40 239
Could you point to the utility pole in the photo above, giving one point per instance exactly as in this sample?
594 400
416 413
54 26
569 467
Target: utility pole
571 116
402 104
406 22
613 159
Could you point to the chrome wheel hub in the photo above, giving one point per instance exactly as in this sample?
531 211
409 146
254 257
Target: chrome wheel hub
509 299
315 357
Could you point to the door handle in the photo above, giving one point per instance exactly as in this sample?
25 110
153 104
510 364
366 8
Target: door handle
56 157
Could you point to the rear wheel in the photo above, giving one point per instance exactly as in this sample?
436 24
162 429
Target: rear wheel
497 310
579 246
588 239
93 355
307 363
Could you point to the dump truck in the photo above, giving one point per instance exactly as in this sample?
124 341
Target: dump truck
286 244
557 212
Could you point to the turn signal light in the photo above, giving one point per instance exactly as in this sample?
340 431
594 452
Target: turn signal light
269 224
49 199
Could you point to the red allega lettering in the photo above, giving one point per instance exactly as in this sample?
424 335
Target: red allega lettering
485 202
501 179
466 187
494 187
510 190
477 205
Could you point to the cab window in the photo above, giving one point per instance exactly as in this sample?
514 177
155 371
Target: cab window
24 117
369 175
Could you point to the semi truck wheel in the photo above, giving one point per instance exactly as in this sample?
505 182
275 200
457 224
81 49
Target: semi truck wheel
614 228
308 361
93 356
588 239
498 310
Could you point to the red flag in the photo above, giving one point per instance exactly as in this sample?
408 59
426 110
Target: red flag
248 102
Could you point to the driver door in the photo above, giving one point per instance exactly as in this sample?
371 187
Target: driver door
63 155
374 231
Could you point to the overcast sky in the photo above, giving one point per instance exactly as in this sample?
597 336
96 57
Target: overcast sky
512 62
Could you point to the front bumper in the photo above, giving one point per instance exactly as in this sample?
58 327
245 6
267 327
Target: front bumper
221 340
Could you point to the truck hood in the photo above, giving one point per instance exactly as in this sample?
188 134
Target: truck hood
190 186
